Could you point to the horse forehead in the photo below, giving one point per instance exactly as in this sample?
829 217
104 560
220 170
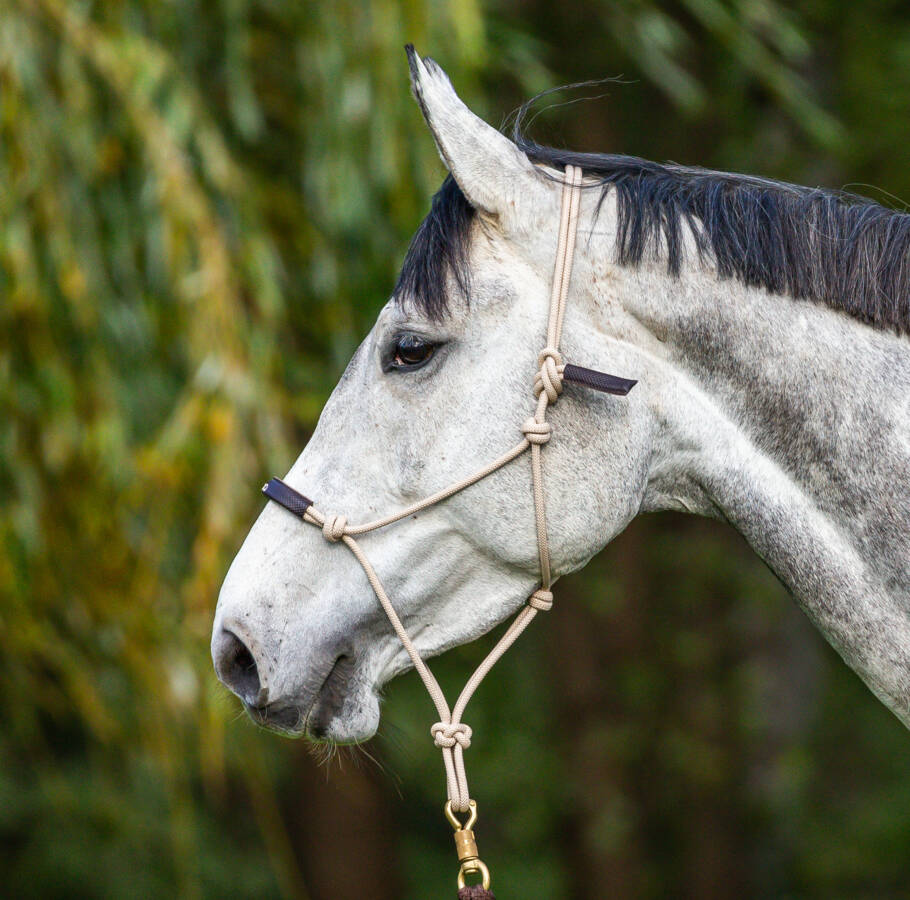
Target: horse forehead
502 261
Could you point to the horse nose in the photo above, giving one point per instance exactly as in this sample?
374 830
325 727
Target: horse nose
236 667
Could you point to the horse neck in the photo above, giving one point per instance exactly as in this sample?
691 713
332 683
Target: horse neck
792 422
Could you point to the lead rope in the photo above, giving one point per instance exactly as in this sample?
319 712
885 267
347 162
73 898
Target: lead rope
450 734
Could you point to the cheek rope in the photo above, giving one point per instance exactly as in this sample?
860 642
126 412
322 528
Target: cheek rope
450 733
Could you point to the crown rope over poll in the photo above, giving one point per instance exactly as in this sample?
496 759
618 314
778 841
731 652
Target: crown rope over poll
450 734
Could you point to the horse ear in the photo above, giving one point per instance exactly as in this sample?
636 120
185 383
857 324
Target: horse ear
491 171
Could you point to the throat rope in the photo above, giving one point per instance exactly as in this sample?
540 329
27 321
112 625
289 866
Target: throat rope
450 733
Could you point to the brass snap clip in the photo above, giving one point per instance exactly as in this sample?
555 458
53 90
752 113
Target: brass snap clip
466 846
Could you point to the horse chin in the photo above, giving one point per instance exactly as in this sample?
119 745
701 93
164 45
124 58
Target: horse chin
341 730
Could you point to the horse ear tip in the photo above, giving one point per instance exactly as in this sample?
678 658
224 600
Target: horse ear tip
413 62
423 66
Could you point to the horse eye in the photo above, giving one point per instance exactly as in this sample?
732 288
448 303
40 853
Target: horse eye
411 352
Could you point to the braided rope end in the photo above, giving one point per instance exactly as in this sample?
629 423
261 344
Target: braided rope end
475 892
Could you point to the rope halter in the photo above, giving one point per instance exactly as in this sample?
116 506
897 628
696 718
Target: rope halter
450 734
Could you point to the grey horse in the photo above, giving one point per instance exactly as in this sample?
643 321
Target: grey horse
767 325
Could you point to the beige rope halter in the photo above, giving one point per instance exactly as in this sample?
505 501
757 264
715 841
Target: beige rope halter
450 733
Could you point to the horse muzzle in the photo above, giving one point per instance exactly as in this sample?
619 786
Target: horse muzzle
318 694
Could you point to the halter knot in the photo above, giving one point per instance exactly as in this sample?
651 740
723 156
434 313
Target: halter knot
541 600
447 735
536 432
549 376
333 528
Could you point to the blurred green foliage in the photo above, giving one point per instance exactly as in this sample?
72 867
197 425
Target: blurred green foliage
202 207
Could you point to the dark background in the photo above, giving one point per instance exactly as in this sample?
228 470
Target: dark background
202 208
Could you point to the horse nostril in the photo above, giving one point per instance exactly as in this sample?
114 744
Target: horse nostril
236 667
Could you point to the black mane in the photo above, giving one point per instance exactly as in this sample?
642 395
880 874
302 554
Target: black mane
832 247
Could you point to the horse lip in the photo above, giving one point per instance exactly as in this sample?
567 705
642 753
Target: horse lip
342 671
284 718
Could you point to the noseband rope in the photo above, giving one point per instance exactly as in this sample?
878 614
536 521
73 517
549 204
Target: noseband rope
450 734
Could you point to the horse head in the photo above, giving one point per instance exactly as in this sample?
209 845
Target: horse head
442 383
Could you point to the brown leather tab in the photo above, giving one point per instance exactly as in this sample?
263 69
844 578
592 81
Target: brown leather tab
284 495
599 381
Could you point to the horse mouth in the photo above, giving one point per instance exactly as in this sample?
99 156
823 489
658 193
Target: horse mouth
311 720
329 701
275 717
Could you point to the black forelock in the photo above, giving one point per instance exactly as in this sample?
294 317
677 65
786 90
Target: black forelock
438 249
832 247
